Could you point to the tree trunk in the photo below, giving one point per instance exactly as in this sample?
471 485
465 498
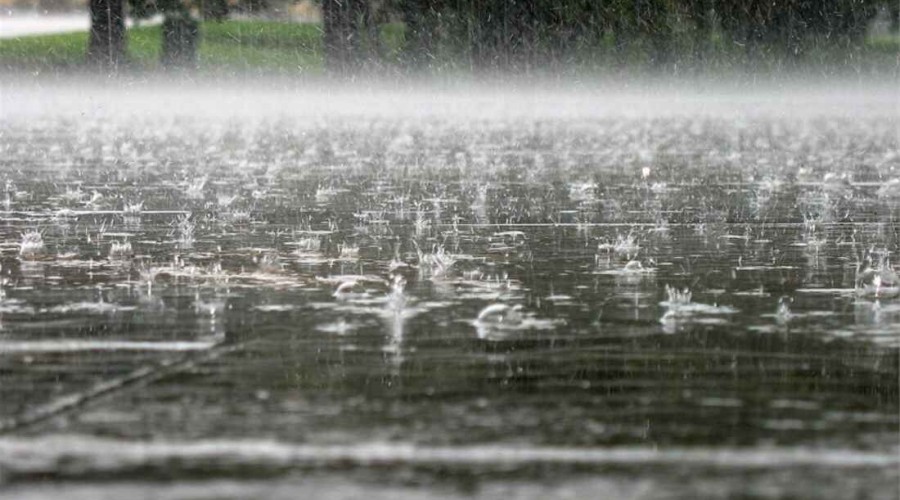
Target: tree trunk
491 43
420 22
700 14
214 10
332 34
654 26
894 13
180 34
342 23
106 47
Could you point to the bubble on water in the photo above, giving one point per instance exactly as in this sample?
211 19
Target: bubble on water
501 314
339 327
890 190
636 267
397 299
133 209
72 195
676 297
625 246
435 264
324 194
783 312
32 244
878 282
239 216
224 200
120 250
422 225
268 262
348 251
184 229
194 188
681 310
500 321
307 245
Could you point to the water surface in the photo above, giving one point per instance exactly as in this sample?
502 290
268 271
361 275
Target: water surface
526 294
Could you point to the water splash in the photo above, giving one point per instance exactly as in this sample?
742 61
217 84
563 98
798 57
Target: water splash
32 245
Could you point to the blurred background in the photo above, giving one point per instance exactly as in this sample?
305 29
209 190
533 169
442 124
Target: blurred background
538 37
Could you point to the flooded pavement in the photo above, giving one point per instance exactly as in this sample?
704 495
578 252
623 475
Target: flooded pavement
511 296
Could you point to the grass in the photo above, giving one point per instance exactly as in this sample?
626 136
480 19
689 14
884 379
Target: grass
38 52
261 46
270 47
227 46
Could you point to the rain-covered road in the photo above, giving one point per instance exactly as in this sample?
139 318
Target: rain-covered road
644 294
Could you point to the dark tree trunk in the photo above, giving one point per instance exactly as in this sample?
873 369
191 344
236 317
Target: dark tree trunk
701 13
742 23
106 47
334 36
343 23
419 17
653 24
522 35
894 13
214 10
180 34
492 34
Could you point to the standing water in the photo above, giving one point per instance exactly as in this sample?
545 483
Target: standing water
531 294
